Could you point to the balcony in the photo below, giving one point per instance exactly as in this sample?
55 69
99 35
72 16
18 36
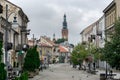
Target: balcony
26 31
9 46
24 47
92 36
99 33
18 47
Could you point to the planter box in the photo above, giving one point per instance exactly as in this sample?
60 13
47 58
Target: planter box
36 71
31 74
102 76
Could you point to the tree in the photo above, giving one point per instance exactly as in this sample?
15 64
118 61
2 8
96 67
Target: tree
97 53
36 57
60 41
32 60
79 54
3 73
112 47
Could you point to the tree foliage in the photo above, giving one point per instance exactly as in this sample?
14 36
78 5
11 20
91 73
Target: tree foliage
79 54
24 76
112 47
32 60
3 73
97 53
60 41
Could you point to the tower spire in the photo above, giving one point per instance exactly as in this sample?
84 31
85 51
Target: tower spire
54 37
64 22
65 29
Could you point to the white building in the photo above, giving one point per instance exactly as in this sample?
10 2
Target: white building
17 29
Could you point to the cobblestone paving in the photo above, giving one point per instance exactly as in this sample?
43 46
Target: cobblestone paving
64 72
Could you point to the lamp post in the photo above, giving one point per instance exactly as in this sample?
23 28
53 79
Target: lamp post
48 56
41 62
33 40
6 41
89 49
106 70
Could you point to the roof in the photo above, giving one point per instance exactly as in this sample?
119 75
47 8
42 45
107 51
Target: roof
109 6
48 40
44 45
19 8
13 4
88 29
63 49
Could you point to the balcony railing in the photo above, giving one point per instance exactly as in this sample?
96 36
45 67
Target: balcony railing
9 46
24 47
18 47
99 33
92 36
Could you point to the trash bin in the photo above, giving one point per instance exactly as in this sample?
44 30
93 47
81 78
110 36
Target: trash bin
102 76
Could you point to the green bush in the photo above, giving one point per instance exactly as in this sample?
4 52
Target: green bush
32 60
24 76
112 47
3 73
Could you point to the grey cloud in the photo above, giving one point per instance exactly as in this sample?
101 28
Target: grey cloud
46 16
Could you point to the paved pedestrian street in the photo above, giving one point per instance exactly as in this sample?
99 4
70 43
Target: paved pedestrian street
64 72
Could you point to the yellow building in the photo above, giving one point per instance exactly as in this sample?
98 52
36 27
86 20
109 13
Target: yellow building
46 49
112 13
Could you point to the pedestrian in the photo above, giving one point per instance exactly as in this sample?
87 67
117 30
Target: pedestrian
111 73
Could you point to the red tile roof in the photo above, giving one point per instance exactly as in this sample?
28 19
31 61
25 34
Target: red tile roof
63 49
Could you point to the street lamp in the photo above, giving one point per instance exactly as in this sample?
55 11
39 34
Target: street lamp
48 58
41 62
106 71
6 40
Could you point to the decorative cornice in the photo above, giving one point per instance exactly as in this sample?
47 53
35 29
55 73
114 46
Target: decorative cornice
3 22
109 6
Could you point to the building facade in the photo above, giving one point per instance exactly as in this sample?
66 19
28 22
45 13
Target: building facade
112 13
46 49
104 27
15 21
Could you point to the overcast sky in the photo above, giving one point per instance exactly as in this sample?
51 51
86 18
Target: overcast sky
46 16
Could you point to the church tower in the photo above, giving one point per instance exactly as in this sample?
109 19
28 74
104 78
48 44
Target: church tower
65 29
54 37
